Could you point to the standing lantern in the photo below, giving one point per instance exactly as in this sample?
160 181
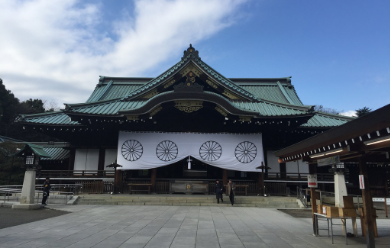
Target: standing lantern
114 165
31 154
261 183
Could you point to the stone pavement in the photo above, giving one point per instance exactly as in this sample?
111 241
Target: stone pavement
175 226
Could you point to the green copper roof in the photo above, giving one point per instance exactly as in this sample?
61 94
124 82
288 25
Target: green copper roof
263 108
321 119
113 91
264 96
49 118
35 148
56 153
270 109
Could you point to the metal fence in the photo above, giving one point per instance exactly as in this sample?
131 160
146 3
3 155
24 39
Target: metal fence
11 193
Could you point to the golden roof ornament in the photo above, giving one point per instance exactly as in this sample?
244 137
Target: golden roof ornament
191 52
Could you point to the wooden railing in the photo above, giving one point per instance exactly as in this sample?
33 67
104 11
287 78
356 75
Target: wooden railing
75 174
297 176
96 187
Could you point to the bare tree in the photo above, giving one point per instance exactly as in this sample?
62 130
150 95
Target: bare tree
50 106
320 108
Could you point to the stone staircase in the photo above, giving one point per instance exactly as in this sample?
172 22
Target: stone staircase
187 200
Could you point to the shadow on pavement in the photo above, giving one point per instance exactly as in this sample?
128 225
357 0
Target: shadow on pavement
12 217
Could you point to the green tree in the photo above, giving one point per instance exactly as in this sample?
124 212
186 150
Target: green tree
11 169
10 108
31 106
362 111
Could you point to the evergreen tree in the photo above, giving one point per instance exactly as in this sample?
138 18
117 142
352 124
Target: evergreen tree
363 111
10 108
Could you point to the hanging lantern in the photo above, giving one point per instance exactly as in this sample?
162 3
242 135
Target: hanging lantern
189 162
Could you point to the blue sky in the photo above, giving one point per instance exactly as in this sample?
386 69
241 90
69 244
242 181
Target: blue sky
337 52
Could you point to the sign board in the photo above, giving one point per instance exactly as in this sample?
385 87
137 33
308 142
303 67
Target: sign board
312 180
328 161
361 181
381 200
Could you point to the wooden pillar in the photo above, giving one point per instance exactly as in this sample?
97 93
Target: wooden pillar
282 168
313 196
101 161
367 205
71 159
225 180
153 180
261 183
118 181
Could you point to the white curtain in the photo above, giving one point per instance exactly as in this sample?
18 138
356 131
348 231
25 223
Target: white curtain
292 167
109 157
272 162
147 150
86 159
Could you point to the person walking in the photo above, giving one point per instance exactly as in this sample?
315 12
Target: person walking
218 191
46 190
230 191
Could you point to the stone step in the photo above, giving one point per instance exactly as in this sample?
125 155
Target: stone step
194 204
188 201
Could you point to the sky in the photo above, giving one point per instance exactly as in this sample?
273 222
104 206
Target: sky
337 52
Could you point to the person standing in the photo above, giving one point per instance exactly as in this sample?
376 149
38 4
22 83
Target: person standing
230 191
46 190
218 191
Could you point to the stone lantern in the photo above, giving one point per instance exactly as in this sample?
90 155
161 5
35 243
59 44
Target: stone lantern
31 154
114 165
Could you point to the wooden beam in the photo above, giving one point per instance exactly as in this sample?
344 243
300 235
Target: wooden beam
71 159
367 205
153 179
224 176
362 147
372 158
313 197
282 168
101 159
261 183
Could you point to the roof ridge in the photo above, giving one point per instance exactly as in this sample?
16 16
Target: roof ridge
241 90
41 114
284 93
335 115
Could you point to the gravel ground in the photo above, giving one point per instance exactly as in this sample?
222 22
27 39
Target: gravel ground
12 217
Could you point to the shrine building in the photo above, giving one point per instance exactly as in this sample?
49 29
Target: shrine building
190 123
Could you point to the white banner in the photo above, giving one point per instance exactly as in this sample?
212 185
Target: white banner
147 150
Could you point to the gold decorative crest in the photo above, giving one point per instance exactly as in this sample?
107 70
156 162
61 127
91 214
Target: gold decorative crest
132 117
188 106
230 95
244 119
170 83
221 111
155 110
150 94
190 68
212 84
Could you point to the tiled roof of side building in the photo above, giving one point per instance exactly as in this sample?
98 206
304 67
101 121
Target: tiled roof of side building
51 118
267 92
56 153
321 119
115 90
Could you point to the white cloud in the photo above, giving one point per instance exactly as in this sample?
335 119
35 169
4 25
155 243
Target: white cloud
349 113
55 50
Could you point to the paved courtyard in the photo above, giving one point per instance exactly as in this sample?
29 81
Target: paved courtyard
174 226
